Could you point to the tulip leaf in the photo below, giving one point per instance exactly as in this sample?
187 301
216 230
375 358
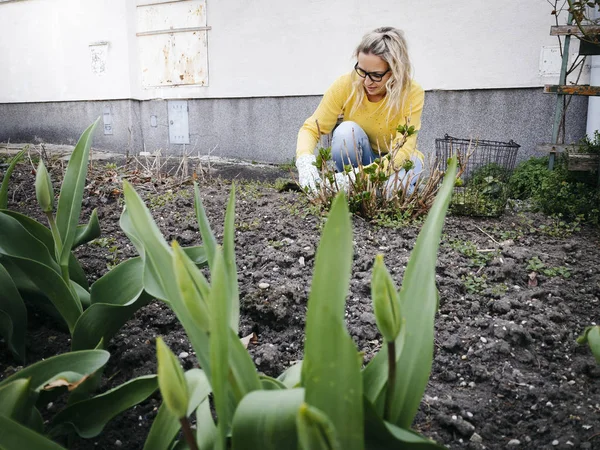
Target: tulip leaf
166 425
206 430
84 363
331 366
292 376
219 345
44 235
15 400
230 266
271 384
7 174
17 242
380 435
315 430
418 303
71 192
14 435
208 238
89 417
114 298
90 231
103 321
171 380
13 315
266 420
591 336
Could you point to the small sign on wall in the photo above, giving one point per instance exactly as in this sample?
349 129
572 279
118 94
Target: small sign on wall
99 54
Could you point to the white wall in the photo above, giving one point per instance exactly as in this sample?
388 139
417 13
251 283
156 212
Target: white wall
259 48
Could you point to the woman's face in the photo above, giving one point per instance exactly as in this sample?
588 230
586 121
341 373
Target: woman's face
372 66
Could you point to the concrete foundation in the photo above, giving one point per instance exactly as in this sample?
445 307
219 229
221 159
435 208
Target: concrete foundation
265 129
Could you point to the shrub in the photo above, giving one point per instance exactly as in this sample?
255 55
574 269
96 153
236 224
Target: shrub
559 192
370 192
527 178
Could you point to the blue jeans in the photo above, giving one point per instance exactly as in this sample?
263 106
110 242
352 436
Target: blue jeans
350 143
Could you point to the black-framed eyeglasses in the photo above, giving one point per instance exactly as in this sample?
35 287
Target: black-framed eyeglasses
374 76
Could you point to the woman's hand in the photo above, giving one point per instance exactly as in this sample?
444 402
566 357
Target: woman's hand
308 175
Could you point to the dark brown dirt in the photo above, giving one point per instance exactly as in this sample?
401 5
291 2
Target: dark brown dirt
507 372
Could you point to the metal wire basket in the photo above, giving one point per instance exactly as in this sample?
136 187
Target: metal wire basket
482 189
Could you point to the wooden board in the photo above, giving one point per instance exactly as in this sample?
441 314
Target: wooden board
584 162
573 30
555 148
572 90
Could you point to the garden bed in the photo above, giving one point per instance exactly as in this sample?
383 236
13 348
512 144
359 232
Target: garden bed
506 369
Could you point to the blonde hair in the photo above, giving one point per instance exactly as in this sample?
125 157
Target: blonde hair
390 45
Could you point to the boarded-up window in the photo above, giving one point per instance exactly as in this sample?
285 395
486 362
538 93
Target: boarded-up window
172 38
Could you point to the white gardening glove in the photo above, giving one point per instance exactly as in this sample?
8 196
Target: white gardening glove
308 174
343 179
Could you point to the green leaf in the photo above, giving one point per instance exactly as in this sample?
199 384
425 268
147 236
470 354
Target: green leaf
271 384
88 232
103 321
44 235
13 315
244 378
292 376
591 336
115 297
315 430
71 192
193 287
15 401
418 302
82 294
89 417
54 287
6 179
17 242
76 274
266 420
219 345
84 363
206 431
208 238
14 435
171 380
166 425
230 265
331 367
380 435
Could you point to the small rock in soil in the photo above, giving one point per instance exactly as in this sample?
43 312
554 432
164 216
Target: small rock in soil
184 355
502 306
476 438
453 343
264 285
513 443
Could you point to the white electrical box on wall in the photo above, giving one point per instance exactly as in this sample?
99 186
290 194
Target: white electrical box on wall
179 131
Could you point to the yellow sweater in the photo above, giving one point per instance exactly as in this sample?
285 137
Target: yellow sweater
370 116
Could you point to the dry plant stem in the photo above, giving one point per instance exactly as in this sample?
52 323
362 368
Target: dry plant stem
188 434
389 396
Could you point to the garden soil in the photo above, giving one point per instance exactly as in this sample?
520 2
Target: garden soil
507 372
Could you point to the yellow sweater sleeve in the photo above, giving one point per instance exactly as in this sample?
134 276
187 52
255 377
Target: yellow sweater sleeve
412 110
326 114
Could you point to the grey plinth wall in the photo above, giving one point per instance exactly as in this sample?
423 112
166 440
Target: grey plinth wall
265 129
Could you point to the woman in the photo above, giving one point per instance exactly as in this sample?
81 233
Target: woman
375 98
